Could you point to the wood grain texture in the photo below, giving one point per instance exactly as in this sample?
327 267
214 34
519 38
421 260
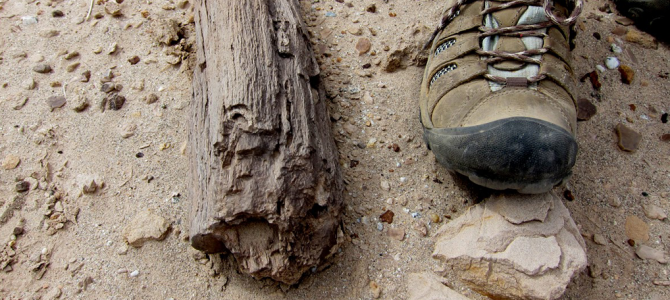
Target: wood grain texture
266 185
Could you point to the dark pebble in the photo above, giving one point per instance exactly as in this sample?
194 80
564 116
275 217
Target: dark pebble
664 118
631 242
395 148
645 194
56 102
597 35
57 14
629 139
585 109
107 87
367 66
134 60
139 155
22 186
115 101
594 78
353 163
18 231
568 195
665 137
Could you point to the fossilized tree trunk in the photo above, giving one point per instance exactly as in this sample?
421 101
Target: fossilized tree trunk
266 185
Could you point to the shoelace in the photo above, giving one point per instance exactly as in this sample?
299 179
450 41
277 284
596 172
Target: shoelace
517 30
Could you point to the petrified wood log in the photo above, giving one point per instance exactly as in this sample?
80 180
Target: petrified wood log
266 184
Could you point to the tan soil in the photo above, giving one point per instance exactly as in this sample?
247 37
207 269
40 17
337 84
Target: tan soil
60 148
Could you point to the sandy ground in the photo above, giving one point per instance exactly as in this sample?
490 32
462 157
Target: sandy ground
72 243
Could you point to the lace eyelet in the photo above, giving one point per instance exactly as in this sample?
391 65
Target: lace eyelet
448 68
444 46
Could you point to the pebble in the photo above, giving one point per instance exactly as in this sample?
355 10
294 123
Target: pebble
636 229
42 68
629 139
627 74
387 217
113 9
363 46
134 273
380 226
616 49
654 212
115 101
612 63
665 137
20 102
56 102
53 293
22 186
29 20
134 60
151 98
645 252
600 68
10 162
57 13
330 14
385 185
349 128
29 84
145 226
72 67
585 109
599 239
396 233
81 103
71 55
435 218
355 30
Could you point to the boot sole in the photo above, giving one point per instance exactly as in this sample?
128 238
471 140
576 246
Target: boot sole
524 154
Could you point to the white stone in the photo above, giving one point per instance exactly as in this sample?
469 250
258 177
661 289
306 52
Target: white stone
612 63
514 246
645 252
654 212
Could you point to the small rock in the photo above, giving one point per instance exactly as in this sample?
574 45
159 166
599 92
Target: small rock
57 14
113 9
29 84
42 68
29 20
151 98
367 98
585 109
134 60
20 102
72 67
645 252
363 46
387 217
629 139
421 228
10 162
396 233
113 48
654 212
375 289
599 239
627 74
107 87
145 226
665 137
385 185
612 63
355 30
56 102
115 101
71 55
134 273
22 186
636 229
643 39
616 49
85 76
128 131
81 103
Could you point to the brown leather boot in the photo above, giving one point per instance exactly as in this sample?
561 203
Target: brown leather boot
497 102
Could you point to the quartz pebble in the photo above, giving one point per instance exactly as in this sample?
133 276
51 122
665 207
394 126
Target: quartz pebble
612 63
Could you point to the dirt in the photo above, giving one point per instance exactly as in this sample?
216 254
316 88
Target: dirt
69 230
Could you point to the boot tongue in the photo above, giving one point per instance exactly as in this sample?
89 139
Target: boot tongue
506 18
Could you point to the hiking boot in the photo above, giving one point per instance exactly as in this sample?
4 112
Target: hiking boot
497 97
652 16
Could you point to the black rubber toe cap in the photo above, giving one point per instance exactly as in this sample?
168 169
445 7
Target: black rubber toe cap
524 154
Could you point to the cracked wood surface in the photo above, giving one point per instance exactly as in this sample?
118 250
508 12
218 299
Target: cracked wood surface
265 180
